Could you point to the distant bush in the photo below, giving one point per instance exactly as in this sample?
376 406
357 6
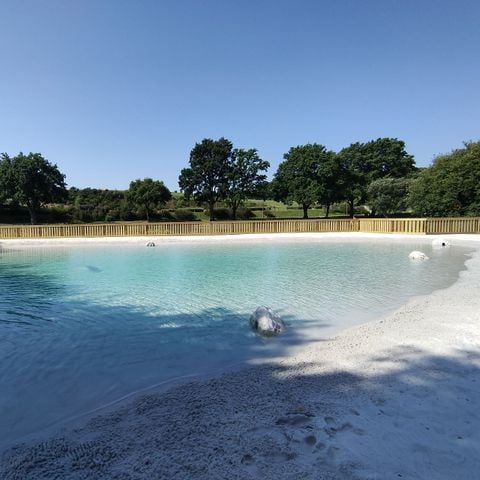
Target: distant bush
55 214
222 214
184 216
245 214
163 216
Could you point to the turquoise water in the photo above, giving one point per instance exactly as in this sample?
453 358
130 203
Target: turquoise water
83 326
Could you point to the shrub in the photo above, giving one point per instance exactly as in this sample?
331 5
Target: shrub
184 216
244 214
222 214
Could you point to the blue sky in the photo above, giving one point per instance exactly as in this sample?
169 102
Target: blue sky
113 90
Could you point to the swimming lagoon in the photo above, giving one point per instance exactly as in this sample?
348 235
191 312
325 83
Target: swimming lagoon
84 325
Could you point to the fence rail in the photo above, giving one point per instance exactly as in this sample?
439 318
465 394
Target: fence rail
375 225
393 225
453 225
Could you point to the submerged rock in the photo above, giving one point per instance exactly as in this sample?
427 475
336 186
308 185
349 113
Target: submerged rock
440 243
416 255
265 322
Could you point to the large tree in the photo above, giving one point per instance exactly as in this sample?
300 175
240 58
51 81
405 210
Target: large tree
245 177
451 186
329 185
147 195
306 176
362 163
207 178
33 181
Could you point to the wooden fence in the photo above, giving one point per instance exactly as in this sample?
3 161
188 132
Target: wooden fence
377 225
453 225
393 225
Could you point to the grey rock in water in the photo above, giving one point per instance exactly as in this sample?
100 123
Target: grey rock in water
265 322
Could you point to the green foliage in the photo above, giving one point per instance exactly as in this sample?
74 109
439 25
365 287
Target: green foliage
244 177
32 181
311 179
183 215
362 163
5 174
268 214
207 178
98 205
451 186
307 175
387 196
243 214
222 214
148 195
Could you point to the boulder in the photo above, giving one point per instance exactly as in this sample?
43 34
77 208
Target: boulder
416 255
440 243
265 322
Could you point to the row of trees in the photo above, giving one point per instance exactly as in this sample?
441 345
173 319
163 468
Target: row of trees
309 175
379 174
32 181
218 172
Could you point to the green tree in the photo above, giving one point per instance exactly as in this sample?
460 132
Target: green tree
5 177
306 176
94 204
388 195
147 195
244 177
451 186
362 163
353 178
207 178
329 186
33 181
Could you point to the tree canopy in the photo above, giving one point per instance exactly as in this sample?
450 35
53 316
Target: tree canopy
32 181
147 195
244 177
207 178
306 176
451 186
362 163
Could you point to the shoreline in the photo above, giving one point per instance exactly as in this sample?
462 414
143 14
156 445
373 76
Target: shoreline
464 239
392 397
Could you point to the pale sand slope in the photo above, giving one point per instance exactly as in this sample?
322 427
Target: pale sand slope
394 398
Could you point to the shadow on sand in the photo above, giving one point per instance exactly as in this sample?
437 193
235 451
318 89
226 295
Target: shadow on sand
419 421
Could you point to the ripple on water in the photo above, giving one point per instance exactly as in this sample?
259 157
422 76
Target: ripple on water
80 327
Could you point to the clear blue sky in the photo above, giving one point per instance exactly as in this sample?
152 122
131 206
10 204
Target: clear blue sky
113 90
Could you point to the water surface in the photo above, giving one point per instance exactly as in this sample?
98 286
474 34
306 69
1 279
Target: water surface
81 326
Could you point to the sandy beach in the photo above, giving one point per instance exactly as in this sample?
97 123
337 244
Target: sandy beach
394 398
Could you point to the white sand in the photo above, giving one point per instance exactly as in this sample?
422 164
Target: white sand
394 398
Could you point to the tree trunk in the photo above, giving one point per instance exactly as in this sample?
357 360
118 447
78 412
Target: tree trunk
234 211
327 210
148 214
305 210
350 207
33 215
211 205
